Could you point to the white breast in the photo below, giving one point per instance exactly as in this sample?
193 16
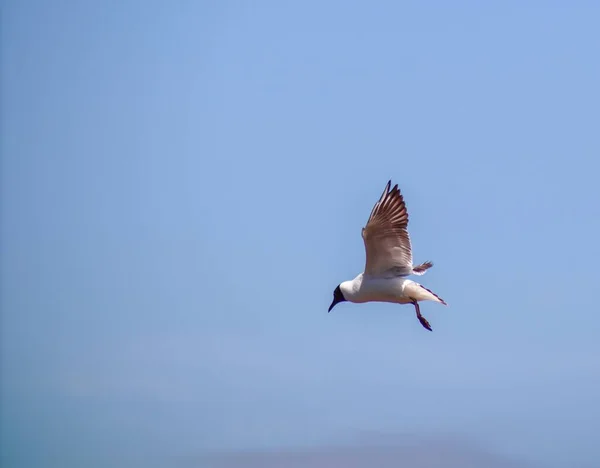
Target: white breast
369 289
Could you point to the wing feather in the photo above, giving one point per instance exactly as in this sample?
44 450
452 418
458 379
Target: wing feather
386 238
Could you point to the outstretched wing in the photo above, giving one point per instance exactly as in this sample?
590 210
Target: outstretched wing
387 243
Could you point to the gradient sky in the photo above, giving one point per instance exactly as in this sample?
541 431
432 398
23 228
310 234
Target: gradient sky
184 184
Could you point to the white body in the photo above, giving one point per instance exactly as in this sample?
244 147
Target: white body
395 289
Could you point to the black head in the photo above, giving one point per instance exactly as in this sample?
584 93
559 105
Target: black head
337 297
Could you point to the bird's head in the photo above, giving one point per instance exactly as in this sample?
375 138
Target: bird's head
338 296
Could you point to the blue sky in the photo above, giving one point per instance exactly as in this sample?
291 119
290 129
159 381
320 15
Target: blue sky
184 184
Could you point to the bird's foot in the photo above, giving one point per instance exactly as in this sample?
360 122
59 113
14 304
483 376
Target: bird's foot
424 322
422 319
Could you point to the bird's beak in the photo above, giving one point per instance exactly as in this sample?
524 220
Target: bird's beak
332 305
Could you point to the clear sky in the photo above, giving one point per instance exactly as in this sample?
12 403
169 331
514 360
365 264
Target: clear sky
184 185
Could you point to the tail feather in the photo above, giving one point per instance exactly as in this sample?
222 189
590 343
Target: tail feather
422 268
435 297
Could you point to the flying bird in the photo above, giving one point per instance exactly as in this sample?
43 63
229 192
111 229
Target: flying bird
388 260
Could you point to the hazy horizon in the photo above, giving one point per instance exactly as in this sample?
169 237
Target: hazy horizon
183 185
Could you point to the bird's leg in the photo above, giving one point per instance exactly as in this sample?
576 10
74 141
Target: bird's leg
422 319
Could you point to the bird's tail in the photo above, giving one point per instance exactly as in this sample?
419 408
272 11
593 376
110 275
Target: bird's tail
422 268
429 295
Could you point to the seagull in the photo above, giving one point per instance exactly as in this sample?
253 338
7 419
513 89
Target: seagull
388 260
